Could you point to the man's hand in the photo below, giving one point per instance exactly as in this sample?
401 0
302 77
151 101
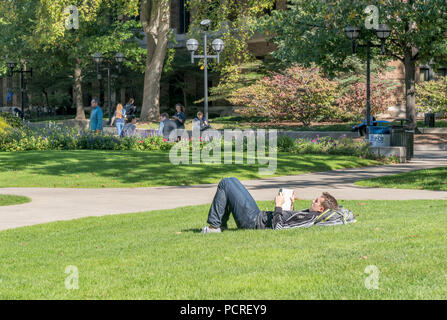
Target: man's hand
279 200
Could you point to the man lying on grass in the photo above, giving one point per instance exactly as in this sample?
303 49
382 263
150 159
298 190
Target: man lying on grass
233 197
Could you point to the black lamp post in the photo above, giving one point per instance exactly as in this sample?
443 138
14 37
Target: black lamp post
383 32
99 59
192 45
12 65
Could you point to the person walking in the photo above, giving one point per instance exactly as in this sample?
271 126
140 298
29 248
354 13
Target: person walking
118 117
130 108
96 117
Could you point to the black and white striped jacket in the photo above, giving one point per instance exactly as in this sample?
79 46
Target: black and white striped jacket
305 218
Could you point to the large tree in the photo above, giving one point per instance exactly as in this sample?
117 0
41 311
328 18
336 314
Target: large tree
155 18
313 31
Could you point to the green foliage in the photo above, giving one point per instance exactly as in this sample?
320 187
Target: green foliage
11 121
327 145
3 125
431 96
62 138
312 31
35 31
234 22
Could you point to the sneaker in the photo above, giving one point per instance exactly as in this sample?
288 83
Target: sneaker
207 229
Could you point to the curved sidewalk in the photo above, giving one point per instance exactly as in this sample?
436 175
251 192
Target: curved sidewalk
50 205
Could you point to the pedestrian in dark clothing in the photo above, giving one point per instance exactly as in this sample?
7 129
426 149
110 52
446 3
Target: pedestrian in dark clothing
130 128
130 108
179 116
166 126
201 122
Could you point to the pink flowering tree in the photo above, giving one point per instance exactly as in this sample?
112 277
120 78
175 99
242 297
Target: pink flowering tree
352 100
295 94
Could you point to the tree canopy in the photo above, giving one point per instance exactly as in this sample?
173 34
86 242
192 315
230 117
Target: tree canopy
312 31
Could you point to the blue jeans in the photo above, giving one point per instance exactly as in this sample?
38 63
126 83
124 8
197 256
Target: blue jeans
119 126
233 197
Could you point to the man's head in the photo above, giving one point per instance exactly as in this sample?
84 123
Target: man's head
199 115
324 202
94 103
164 116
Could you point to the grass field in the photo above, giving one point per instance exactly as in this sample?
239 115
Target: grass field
162 255
9 200
114 169
429 179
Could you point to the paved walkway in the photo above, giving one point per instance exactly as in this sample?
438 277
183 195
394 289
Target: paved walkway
65 204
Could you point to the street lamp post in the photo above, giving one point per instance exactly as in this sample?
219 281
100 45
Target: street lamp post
12 65
99 59
383 32
192 45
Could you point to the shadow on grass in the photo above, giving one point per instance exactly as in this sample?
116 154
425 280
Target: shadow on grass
154 168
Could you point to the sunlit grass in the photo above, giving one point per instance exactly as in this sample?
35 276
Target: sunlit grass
161 255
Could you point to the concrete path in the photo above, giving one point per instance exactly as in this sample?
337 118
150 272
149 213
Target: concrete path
65 204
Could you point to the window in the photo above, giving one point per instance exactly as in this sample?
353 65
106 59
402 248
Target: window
184 17
441 72
423 74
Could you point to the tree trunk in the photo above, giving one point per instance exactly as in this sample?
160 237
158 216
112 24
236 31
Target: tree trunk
410 79
77 92
154 17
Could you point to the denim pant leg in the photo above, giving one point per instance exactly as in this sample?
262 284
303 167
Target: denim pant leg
119 127
233 197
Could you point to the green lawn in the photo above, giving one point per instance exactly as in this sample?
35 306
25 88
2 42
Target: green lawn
8 200
161 255
113 169
429 179
439 123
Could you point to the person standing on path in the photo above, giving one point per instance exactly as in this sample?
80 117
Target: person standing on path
96 117
118 117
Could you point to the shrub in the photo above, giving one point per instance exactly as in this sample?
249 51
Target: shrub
329 145
11 120
285 143
3 125
431 96
57 138
352 102
297 94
